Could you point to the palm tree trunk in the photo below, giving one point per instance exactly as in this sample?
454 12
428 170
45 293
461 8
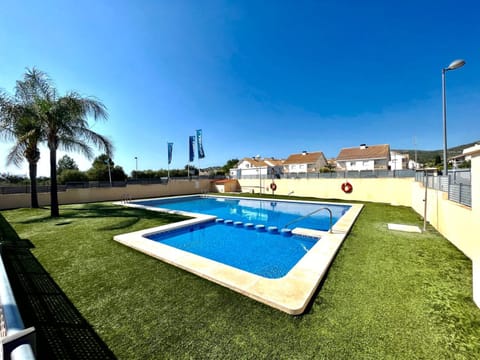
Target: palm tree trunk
32 169
54 212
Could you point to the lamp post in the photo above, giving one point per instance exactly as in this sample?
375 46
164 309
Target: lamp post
109 172
454 65
136 167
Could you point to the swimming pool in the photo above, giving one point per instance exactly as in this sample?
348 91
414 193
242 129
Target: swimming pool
265 252
257 211
289 289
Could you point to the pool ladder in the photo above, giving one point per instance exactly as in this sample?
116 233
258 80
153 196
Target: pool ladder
126 198
310 214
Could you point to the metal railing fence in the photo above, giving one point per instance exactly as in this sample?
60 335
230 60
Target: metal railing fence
457 184
336 175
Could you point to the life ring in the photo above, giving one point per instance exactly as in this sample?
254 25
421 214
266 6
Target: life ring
347 187
273 186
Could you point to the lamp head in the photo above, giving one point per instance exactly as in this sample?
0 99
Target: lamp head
456 64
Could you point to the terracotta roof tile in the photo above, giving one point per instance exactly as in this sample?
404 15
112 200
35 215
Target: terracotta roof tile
263 162
369 152
255 162
274 162
307 158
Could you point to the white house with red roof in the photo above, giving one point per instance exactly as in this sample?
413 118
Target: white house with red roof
305 162
256 166
363 157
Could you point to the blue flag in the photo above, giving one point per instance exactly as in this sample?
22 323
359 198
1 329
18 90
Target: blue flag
170 150
191 143
201 153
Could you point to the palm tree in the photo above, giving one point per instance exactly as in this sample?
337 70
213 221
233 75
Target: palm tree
64 124
18 122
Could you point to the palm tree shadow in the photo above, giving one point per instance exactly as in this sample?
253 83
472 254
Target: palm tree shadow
121 224
61 331
99 210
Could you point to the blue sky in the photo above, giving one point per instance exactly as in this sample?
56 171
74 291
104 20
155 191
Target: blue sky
258 77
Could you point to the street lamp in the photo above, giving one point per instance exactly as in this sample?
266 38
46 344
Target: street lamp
454 65
109 171
136 167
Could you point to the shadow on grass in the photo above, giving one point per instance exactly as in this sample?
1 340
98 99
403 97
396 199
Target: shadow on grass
61 331
99 210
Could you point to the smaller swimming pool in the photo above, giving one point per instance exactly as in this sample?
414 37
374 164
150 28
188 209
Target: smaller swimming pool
265 252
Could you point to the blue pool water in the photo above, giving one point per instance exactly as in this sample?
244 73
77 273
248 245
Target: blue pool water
268 253
265 212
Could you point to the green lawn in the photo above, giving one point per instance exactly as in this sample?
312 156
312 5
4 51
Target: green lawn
388 295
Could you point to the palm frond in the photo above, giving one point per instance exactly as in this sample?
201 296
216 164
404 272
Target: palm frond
36 84
16 154
76 145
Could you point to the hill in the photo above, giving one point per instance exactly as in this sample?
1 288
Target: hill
425 156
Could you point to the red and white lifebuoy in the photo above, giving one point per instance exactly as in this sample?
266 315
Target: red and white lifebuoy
347 188
273 186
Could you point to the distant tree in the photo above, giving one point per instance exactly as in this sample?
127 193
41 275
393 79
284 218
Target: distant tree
12 179
326 169
162 173
70 175
191 170
66 163
178 173
466 164
118 174
147 174
229 165
438 160
99 170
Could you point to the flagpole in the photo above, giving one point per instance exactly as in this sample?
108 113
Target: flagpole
191 156
201 153
169 158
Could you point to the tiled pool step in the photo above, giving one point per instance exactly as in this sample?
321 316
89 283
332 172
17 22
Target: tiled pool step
259 227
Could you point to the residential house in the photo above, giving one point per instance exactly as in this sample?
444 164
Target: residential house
457 161
398 161
256 166
363 157
304 162
332 164
412 165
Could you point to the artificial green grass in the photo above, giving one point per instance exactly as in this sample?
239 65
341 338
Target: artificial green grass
388 295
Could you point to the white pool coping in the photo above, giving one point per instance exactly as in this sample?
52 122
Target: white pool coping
290 293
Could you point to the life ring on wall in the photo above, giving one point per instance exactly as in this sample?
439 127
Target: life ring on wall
347 187
273 186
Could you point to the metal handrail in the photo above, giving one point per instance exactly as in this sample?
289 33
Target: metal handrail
310 214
